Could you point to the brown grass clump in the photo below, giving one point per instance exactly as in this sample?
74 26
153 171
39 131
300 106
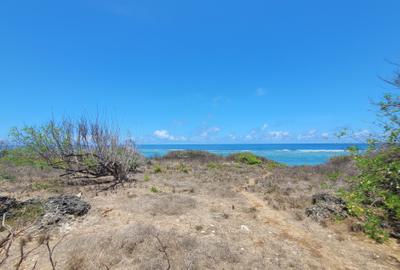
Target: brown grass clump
191 155
142 246
170 204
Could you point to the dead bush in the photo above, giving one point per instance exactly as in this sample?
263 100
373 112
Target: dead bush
81 148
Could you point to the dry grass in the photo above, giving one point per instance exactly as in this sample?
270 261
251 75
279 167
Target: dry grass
215 213
140 246
169 204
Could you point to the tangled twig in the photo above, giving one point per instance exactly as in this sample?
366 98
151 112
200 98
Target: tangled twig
163 249
7 242
51 250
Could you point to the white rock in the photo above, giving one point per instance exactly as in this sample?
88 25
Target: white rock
244 228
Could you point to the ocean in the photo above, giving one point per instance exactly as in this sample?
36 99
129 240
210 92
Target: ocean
289 154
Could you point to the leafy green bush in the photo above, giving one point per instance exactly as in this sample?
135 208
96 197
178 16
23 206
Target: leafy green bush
6 177
192 155
273 165
40 186
182 168
214 165
247 158
374 196
23 156
24 215
333 176
375 193
154 190
157 169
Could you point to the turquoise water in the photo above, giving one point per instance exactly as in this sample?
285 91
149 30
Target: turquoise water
290 154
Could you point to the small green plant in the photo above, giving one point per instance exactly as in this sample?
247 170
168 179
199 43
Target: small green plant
154 190
23 156
333 176
198 228
157 169
6 177
273 165
146 178
40 186
182 168
213 165
325 186
26 214
247 158
373 228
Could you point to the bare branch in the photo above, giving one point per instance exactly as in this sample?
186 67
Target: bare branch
51 250
88 148
163 249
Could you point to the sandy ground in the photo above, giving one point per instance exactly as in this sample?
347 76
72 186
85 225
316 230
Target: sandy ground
203 218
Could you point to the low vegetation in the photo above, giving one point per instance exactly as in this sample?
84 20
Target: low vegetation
374 196
201 156
81 148
24 215
157 169
23 156
154 190
246 158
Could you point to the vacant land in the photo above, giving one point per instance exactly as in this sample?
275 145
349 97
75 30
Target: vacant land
198 212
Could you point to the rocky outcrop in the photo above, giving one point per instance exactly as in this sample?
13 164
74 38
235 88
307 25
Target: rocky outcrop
60 207
7 204
56 209
326 206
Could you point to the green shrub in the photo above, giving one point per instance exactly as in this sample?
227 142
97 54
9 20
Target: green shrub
23 156
203 156
157 169
247 158
325 186
182 168
373 228
375 193
40 186
214 165
6 177
154 190
146 178
25 215
333 176
273 165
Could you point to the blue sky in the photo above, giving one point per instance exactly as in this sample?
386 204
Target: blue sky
199 71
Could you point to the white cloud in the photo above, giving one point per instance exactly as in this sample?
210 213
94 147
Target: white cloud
309 135
165 135
325 135
264 127
260 92
232 137
278 134
211 130
248 137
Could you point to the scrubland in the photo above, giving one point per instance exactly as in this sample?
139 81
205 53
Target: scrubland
193 210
